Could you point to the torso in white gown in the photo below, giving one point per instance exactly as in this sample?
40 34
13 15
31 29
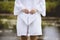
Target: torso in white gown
29 4
34 21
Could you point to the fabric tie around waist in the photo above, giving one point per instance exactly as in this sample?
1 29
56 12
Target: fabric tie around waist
28 18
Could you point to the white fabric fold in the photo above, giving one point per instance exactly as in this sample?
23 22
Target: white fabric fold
28 18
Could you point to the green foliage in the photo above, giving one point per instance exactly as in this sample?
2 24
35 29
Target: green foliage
6 25
1 25
11 0
6 7
14 29
50 5
7 17
1 0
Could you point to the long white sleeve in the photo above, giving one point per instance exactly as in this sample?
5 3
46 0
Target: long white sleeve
41 7
18 7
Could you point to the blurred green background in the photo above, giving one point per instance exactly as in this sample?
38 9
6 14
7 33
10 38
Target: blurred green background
52 6
8 20
7 7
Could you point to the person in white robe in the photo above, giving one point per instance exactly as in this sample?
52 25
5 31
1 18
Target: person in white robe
29 17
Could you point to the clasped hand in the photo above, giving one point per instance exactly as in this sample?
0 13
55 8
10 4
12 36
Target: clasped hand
27 11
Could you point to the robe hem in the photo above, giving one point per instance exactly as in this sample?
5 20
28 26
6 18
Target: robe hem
30 35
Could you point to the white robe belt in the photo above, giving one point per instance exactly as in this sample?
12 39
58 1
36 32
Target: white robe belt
28 18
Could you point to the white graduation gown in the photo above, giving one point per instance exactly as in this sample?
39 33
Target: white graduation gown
28 22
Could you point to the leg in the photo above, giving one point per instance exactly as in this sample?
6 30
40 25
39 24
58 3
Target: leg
33 37
23 38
